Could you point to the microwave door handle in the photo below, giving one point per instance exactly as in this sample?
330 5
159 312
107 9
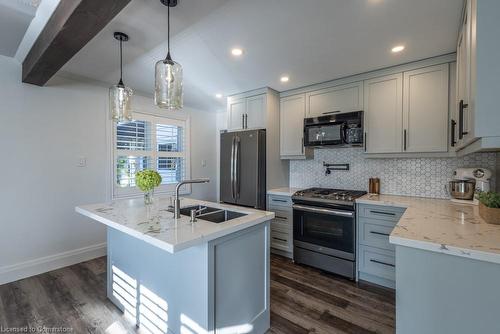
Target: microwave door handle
343 131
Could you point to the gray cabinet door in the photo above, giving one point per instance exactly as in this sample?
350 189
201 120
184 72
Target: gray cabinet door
247 168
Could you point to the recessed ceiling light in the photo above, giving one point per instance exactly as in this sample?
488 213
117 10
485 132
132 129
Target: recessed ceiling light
398 48
218 95
237 52
284 78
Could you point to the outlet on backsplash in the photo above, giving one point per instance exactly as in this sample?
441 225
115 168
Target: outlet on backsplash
424 177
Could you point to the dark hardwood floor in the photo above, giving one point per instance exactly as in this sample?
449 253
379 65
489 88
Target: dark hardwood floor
303 300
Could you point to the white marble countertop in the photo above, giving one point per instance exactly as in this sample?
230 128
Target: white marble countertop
442 226
283 191
155 225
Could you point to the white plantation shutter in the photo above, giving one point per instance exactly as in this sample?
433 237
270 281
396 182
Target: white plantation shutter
149 142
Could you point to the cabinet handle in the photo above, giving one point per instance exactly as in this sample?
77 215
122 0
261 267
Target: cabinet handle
364 141
243 121
279 217
379 233
404 139
246 121
280 239
384 263
279 200
302 144
461 107
383 213
331 112
453 126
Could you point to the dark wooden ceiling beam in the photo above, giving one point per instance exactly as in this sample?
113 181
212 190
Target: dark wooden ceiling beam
72 25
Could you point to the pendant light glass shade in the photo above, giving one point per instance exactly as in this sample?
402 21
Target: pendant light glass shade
119 103
168 84
120 95
168 74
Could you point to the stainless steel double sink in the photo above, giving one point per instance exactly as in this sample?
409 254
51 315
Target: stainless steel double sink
214 215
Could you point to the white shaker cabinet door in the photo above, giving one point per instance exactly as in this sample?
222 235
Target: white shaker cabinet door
235 110
333 100
384 114
256 112
425 109
292 114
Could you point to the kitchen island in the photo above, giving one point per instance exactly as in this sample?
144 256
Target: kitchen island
447 266
173 276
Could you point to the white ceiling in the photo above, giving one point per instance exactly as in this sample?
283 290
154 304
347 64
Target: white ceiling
311 41
15 17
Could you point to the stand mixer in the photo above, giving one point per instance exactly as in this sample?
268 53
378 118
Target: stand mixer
467 183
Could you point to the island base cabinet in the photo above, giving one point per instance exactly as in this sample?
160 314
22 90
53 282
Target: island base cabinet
438 293
218 287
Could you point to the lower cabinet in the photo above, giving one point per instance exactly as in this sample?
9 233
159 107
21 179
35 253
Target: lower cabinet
376 259
281 225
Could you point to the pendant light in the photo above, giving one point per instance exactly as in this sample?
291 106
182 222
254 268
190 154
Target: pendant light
168 74
120 95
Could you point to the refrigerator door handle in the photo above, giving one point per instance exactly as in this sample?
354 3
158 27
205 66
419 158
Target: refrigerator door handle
232 167
237 162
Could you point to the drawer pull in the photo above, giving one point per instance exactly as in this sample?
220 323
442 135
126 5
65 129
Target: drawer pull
383 213
379 233
383 263
280 239
280 217
279 200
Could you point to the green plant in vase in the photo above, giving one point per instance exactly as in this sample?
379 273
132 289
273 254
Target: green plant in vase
489 207
147 180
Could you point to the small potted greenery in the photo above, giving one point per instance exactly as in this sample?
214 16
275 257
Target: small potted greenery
147 180
489 207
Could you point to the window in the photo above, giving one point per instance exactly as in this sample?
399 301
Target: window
149 142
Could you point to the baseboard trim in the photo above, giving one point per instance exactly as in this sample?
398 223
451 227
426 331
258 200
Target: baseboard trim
48 263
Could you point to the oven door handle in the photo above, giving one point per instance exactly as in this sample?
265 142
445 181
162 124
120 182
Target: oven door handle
323 211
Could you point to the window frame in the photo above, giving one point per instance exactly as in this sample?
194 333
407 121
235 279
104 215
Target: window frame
128 192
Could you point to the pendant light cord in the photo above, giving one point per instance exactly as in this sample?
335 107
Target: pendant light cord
121 63
168 29
168 59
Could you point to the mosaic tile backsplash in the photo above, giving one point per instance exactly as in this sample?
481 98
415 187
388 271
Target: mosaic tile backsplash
423 177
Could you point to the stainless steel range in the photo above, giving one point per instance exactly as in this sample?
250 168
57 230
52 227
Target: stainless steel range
324 229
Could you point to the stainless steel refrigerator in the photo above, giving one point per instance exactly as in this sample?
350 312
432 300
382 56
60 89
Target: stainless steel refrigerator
243 168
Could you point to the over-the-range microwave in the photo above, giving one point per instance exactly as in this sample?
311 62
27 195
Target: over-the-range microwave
341 129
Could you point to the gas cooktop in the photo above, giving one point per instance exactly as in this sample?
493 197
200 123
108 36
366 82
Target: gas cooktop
327 196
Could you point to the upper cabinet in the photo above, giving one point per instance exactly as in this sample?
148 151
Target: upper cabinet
462 120
292 114
247 112
408 112
425 109
384 114
338 99
256 111
476 107
236 109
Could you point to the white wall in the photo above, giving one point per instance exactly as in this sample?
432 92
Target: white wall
43 131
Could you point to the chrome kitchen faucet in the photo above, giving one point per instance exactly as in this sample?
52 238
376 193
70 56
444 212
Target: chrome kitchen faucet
177 201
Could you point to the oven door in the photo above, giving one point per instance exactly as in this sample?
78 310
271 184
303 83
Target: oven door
324 134
325 230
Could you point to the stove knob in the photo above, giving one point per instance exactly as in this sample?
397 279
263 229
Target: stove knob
349 198
337 197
